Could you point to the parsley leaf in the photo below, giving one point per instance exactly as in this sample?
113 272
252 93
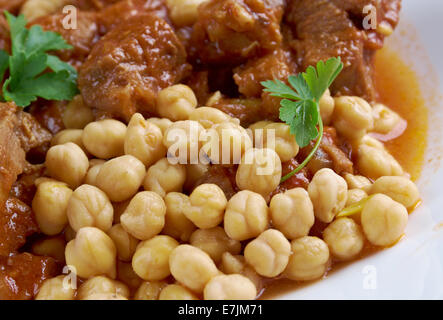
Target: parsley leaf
300 105
33 72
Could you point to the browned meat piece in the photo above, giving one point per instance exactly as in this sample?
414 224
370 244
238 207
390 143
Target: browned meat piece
49 114
299 180
21 275
199 83
224 177
130 65
30 132
246 110
10 5
24 188
16 223
230 31
4 34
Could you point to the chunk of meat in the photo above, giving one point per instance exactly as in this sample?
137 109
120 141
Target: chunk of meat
298 180
21 275
246 110
24 188
49 114
199 83
30 132
130 65
4 34
16 223
230 31
11 5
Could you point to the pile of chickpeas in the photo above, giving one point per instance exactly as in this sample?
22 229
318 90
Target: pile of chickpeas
114 195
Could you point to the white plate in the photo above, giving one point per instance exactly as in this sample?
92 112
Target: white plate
412 269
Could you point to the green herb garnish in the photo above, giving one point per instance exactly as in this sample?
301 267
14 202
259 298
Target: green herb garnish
300 105
32 71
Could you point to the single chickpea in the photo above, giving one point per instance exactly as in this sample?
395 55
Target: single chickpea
345 238
77 115
144 140
126 274
383 220
164 177
194 172
246 215
176 102
354 196
105 139
327 105
33 9
231 264
214 242
214 98
259 171
145 215
176 223
230 287
176 292
192 267
352 117
278 138
150 290
51 247
385 120
182 139
399 189
328 192
183 12
374 162
309 259
292 213
226 143
209 117
49 205
269 253
90 207
120 178
92 253
257 132
358 182
102 285
124 242
94 168
151 259
54 289
68 163
206 206
162 123
69 135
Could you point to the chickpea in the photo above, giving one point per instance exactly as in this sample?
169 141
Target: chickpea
151 259
257 132
284 143
354 196
176 223
105 139
105 296
54 289
383 220
192 267
33 9
77 115
182 139
164 177
194 172
328 192
92 253
67 163
344 238
269 253
145 215
385 120
69 135
309 259
176 102
176 292
292 213
358 182
183 12
207 204
162 123
226 143
374 162
399 189
90 207
327 105
51 247
150 290
214 242
102 285
230 287
124 242
144 140
94 169
126 274
246 216
259 171
214 98
372 142
209 117
237 265
49 205
352 117
120 178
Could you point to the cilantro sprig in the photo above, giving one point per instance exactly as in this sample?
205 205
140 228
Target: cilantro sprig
300 103
33 72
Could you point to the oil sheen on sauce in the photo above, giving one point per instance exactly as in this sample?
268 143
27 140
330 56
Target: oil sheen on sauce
398 88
